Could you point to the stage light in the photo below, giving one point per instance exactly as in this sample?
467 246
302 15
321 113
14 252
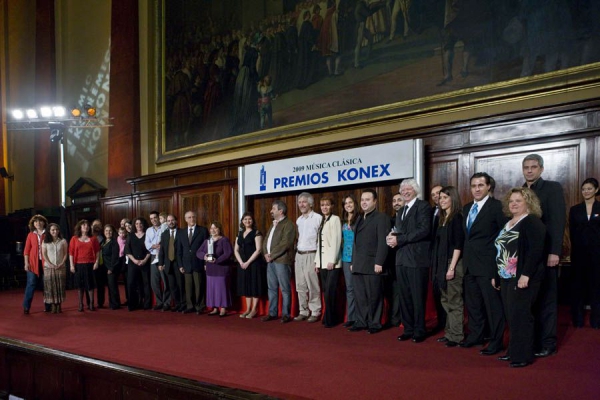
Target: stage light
32 114
18 114
91 111
46 112
59 112
76 112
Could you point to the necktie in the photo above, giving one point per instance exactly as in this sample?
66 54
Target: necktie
404 209
172 245
472 215
190 235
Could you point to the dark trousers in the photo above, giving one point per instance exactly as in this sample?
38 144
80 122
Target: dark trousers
124 268
101 282
546 311
413 289
439 309
138 280
368 293
114 297
585 286
518 307
391 290
176 283
195 290
482 301
329 282
162 293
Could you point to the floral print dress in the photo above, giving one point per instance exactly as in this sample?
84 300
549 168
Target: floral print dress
507 246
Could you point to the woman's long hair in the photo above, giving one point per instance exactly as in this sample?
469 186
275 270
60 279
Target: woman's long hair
454 209
345 216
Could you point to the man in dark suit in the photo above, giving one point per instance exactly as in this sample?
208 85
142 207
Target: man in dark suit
412 237
369 253
554 217
190 239
167 263
484 220
278 248
437 294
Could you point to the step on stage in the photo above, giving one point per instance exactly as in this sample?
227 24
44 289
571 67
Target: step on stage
156 355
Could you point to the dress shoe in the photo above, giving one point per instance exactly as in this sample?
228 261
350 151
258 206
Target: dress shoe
505 357
468 345
244 315
372 331
301 317
489 352
518 364
450 343
26 311
157 307
213 312
223 313
355 328
80 309
404 337
268 318
251 314
312 318
166 308
285 319
188 311
419 339
443 339
175 309
348 324
545 353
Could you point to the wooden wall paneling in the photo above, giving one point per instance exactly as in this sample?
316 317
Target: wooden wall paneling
144 204
209 205
21 375
234 224
114 210
443 171
101 388
47 380
72 383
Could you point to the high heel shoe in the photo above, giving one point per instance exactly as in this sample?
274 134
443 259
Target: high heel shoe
223 313
213 312
80 309
251 314
244 315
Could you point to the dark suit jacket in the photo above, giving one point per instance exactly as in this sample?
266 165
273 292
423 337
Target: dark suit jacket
370 247
110 255
282 243
479 252
186 251
585 235
163 251
414 235
531 262
554 214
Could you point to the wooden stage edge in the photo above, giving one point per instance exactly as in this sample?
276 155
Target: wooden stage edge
33 371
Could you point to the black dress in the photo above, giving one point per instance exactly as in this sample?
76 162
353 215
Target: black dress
251 282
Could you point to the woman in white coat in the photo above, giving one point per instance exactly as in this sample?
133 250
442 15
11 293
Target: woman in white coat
328 260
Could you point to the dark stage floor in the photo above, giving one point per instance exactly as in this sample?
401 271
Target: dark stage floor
302 360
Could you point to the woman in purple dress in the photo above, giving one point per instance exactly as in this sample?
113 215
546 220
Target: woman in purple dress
216 252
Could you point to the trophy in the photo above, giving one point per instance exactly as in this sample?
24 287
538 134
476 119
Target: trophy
210 255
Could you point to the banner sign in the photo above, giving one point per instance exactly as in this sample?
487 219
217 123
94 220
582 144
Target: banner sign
383 162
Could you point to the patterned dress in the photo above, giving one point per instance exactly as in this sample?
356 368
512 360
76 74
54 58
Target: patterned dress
54 278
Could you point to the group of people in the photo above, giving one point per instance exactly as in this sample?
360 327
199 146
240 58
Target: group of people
496 258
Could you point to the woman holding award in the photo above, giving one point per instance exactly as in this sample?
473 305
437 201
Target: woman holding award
216 252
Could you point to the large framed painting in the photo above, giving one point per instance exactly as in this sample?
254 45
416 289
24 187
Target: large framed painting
241 72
